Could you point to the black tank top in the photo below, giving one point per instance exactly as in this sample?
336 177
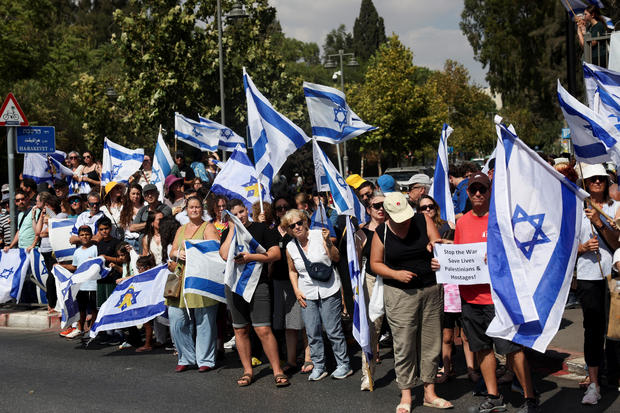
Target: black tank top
409 254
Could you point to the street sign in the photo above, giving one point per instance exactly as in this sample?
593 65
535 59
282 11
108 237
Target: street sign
565 133
11 114
36 139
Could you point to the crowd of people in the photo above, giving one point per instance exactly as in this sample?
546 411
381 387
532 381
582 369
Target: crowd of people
304 294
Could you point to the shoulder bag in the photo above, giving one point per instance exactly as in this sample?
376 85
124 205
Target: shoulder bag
316 270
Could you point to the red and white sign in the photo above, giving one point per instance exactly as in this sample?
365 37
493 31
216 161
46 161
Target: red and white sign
11 114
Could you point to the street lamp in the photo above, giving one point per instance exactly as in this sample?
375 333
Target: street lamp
331 64
237 12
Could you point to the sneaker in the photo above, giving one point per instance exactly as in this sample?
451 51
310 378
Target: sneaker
342 372
490 405
74 334
66 331
592 395
124 345
230 344
317 375
530 406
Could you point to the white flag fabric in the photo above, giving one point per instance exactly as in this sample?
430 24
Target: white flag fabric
329 179
532 243
594 136
194 133
331 118
119 163
204 269
162 165
603 90
274 137
39 273
42 167
242 279
238 179
13 270
134 301
361 331
440 188
227 138
320 220
68 285
60 233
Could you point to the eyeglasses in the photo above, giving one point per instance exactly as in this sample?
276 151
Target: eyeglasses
94 204
296 224
282 208
20 199
427 207
377 205
76 201
86 156
598 178
74 157
477 188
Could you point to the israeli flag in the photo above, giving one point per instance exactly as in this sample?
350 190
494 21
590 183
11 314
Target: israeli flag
42 167
227 139
60 233
195 133
204 269
13 270
242 279
532 243
119 163
603 90
239 180
593 135
134 301
328 179
319 220
361 331
39 274
162 165
440 188
68 285
274 137
331 118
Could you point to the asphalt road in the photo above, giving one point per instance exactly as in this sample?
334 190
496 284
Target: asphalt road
41 372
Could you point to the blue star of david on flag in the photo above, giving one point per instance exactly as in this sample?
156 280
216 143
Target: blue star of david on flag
155 176
196 132
538 237
115 169
340 116
7 272
128 299
226 133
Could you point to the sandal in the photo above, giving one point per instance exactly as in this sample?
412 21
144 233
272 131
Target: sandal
281 380
439 403
304 369
404 406
245 380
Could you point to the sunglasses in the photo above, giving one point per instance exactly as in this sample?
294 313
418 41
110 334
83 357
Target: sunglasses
76 201
282 208
427 207
73 157
597 178
482 189
20 199
295 224
377 205
86 156
92 204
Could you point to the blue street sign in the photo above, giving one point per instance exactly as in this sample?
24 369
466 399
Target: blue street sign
565 133
36 139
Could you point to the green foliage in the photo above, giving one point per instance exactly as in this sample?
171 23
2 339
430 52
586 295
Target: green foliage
337 39
409 116
368 31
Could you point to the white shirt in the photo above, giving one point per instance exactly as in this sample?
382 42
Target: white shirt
587 263
85 219
313 289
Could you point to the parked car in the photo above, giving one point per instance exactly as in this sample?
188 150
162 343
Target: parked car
405 172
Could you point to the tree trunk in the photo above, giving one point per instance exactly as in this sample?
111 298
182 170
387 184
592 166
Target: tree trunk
362 165
379 161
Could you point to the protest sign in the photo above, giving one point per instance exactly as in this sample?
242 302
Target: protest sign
462 263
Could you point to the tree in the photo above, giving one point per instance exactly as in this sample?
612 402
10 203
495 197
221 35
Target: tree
368 31
409 116
337 39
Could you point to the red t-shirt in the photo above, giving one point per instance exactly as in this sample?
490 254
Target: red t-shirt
469 229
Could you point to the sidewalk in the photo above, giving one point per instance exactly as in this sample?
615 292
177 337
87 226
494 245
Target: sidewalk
28 316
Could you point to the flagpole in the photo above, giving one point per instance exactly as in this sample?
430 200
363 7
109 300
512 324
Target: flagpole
570 8
260 197
598 255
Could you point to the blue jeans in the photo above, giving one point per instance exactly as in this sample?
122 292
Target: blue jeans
320 313
202 352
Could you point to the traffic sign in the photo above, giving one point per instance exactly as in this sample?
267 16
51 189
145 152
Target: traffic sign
11 114
565 133
36 139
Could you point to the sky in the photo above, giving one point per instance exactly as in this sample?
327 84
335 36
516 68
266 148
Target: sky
430 29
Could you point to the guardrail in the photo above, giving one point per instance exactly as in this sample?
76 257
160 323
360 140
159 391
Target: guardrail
594 54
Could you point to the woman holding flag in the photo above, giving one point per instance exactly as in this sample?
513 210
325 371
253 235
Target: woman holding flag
188 309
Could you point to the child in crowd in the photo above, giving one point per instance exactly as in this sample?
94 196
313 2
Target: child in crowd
87 295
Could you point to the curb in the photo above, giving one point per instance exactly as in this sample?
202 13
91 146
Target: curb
559 362
32 319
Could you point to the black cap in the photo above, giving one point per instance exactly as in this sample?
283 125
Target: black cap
149 187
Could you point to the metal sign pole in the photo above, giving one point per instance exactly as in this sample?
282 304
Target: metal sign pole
10 144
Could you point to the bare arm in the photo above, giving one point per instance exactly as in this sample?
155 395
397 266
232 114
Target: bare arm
137 227
330 249
174 252
380 268
294 276
225 246
211 233
145 246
